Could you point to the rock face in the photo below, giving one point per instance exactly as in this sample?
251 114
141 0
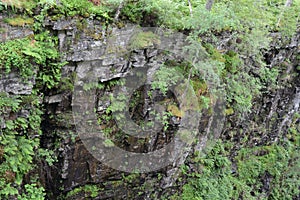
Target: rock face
108 58
13 84
95 51
8 32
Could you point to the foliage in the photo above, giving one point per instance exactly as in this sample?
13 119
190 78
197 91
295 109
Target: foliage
27 54
19 139
165 78
84 8
133 11
33 192
88 190
219 19
11 57
289 20
250 24
47 155
23 5
33 58
241 90
272 167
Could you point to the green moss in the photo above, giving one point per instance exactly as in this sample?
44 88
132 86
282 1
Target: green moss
81 24
143 39
229 111
108 143
120 24
186 136
215 53
174 110
56 17
2 30
199 86
232 62
97 36
130 178
19 21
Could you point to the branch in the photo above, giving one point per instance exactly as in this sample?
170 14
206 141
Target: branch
191 9
119 11
288 3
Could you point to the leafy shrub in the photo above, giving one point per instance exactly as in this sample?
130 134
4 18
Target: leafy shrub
25 55
273 167
19 139
83 8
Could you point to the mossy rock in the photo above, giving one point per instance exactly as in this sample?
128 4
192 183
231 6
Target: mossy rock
175 111
143 39
19 21
229 111
186 136
200 87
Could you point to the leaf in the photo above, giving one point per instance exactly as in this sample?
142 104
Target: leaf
35 55
10 125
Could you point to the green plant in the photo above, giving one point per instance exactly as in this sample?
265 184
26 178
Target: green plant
11 57
219 19
84 8
1 6
143 40
20 140
33 192
88 190
93 85
166 77
132 11
215 180
34 57
25 55
241 88
21 5
47 155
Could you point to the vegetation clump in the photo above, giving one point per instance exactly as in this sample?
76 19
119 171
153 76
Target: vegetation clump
19 21
144 40
265 172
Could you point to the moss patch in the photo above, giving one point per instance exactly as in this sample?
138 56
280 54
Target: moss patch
175 111
144 39
19 21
